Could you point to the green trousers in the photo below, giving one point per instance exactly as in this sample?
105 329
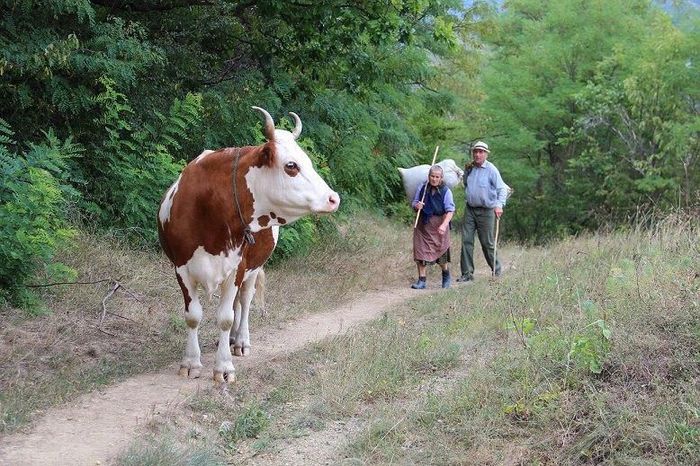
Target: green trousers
482 221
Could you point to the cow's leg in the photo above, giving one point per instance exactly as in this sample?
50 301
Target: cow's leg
223 362
191 365
241 336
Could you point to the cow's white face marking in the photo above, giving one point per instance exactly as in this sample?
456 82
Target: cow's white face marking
209 270
300 190
166 205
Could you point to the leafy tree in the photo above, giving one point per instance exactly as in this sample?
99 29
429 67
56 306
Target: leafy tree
52 55
145 86
639 132
34 201
136 163
538 84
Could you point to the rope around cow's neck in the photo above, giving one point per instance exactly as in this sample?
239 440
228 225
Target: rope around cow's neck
247 233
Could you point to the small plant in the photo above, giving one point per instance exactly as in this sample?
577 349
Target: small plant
590 350
524 328
166 451
248 425
177 323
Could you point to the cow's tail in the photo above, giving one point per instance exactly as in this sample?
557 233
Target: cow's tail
260 291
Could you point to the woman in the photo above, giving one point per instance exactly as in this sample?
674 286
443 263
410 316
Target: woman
431 237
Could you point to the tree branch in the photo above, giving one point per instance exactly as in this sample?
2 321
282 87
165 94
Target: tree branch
145 7
115 287
71 283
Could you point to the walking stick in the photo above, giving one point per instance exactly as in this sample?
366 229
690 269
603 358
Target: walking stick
426 187
495 246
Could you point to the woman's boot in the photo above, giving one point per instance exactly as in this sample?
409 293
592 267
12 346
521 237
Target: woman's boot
446 279
420 284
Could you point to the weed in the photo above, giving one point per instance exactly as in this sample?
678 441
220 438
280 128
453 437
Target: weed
249 424
165 451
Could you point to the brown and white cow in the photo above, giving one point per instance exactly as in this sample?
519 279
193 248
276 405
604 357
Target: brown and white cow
219 239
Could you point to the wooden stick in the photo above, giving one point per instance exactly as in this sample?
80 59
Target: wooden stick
495 247
415 224
116 286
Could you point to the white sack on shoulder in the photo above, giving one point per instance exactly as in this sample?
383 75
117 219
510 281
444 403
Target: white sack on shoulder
413 177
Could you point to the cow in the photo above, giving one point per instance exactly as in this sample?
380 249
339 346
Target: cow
219 223
413 177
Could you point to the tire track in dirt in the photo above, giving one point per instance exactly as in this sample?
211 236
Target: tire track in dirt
97 426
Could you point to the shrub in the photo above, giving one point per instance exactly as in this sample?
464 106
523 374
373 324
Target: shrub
135 160
34 196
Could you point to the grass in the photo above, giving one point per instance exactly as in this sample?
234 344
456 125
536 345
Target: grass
535 403
585 351
79 345
162 449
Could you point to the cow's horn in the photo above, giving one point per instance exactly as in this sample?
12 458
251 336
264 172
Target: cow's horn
297 125
269 130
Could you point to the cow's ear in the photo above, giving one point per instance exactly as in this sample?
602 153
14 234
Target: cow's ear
267 156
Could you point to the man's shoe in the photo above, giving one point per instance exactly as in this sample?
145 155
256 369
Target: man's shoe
465 278
420 284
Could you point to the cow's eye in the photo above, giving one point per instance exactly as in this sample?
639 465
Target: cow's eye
291 168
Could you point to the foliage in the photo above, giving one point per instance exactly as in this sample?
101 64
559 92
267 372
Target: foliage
590 348
34 205
639 133
585 105
136 160
51 56
561 90
133 82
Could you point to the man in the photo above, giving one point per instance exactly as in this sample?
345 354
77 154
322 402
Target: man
485 194
431 237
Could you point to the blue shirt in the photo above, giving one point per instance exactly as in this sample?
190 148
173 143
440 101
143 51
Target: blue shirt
484 187
436 203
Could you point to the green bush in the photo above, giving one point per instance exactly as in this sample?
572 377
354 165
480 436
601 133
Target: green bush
34 197
135 160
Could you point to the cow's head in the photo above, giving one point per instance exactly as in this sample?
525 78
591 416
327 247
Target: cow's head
285 182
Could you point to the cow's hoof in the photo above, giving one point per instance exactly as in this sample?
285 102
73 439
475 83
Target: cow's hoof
224 378
190 372
241 351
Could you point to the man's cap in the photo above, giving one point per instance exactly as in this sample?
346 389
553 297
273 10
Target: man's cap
481 145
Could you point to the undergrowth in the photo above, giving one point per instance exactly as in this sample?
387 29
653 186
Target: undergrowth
124 313
586 351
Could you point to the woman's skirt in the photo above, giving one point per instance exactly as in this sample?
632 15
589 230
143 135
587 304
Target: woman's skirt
428 244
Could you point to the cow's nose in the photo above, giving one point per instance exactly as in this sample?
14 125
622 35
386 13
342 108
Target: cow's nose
334 201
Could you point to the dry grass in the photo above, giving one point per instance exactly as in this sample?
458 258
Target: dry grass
497 372
504 372
367 254
80 345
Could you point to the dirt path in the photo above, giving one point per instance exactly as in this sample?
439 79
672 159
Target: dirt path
97 426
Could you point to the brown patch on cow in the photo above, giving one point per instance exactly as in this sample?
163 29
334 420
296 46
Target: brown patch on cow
185 293
281 221
204 213
273 215
254 256
267 154
263 220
